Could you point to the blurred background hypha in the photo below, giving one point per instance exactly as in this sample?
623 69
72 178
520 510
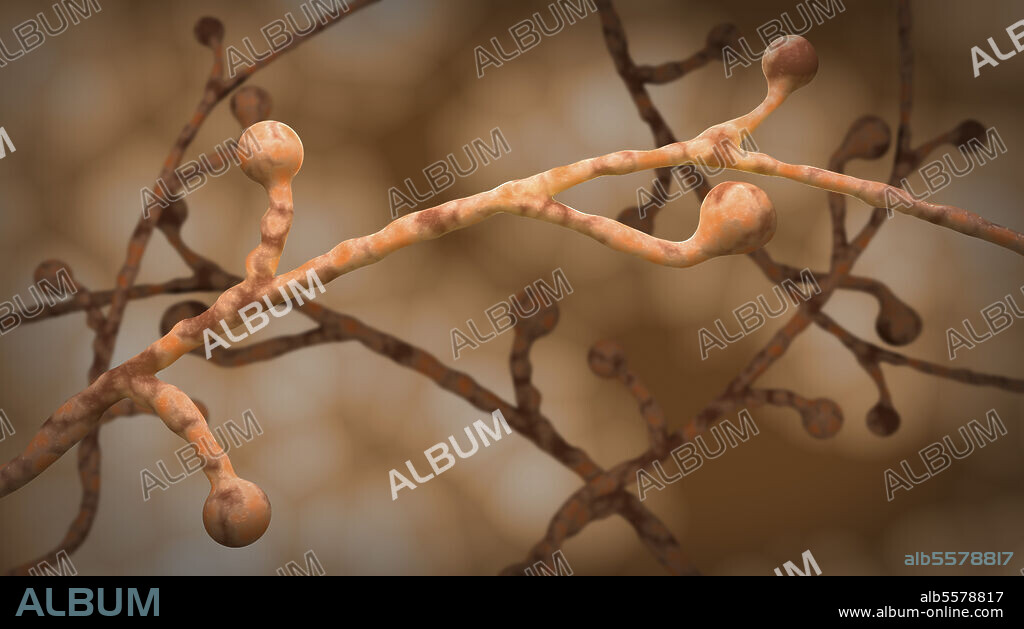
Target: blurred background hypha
378 98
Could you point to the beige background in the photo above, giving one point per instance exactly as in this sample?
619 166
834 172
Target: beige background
376 99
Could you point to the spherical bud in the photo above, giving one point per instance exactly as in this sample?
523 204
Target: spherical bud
868 138
822 419
48 270
250 105
883 420
735 217
897 323
236 513
543 319
789 62
723 35
270 153
173 216
606 358
209 31
971 135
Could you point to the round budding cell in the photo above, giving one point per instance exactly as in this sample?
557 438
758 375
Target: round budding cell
209 31
606 358
48 271
236 513
789 62
735 217
541 322
173 216
822 419
723 35
270 153
868 138
897 323
970 130
883 420
250 105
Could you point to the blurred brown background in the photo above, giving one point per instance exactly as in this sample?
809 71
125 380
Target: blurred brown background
376 99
